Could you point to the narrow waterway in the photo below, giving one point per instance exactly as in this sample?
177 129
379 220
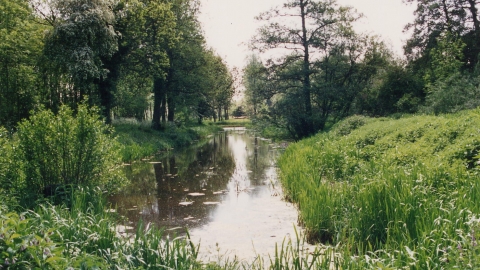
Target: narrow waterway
225 192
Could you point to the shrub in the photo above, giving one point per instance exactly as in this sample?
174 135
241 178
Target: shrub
65 149
11 174
351 123
455 93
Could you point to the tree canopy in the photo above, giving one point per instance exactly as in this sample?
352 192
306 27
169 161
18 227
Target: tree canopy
133 58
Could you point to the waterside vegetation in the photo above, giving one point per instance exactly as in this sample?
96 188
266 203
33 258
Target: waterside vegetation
140 141
391 194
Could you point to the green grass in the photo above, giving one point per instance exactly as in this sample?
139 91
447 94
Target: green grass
392 193
140 140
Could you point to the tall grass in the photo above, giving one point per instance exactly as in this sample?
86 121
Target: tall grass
392 193
85 236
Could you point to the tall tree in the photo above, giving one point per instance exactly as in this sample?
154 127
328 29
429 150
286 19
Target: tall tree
82 36
310 30
185 59
307 28
433 18
255 82
21 43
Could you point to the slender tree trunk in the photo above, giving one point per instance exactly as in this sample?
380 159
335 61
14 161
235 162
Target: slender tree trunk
171 109
106 98
308 122
447 16
476 24
225 112
163 109
158 94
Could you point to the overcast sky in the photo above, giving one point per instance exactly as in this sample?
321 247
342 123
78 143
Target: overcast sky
230 24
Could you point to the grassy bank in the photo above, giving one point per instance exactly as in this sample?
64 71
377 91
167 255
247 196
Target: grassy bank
245 122
139 140
392 193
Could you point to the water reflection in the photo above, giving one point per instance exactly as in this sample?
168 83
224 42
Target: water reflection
158 187
234 174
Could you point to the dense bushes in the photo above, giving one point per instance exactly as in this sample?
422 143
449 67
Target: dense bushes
67 149
404 192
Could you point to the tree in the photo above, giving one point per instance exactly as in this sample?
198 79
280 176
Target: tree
185 59
434 18
21 43
308 29
218 86
82 36
256 85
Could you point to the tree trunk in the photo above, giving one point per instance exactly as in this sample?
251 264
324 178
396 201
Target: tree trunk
158 96
476 24
225 112
308 122
171 109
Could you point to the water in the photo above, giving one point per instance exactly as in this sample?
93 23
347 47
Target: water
225 192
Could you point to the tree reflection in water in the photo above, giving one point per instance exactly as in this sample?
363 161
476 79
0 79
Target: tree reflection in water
230 162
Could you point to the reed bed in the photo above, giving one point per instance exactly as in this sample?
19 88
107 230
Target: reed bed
391 193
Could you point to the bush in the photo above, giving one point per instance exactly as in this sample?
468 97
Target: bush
11 174
455 93
349 124
65 149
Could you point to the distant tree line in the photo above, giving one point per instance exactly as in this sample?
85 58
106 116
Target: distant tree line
319 70
132 58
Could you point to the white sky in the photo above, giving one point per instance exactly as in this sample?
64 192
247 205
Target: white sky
229 24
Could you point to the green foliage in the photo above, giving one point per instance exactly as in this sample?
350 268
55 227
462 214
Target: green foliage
394 89
322 73
82 38
140 140
21 44
85 236
446 59
68 149
392 192
350 124
454 93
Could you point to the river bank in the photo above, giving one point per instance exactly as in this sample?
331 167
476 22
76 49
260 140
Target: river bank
391 193
139 140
